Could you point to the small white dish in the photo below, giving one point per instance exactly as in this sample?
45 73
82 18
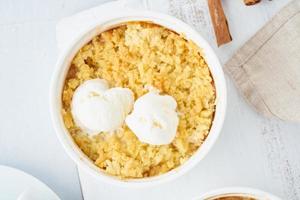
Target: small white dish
238 191
16 184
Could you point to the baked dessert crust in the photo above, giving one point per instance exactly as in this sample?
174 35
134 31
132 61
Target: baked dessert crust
137 55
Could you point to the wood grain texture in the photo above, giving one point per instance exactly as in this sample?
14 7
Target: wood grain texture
251 150
281 165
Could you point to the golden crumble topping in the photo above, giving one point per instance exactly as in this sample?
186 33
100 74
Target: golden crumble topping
134 56
232 198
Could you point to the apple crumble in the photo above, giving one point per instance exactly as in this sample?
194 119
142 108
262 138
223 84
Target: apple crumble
232 198
137 55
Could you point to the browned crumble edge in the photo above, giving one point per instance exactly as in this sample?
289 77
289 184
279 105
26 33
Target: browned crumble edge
134 55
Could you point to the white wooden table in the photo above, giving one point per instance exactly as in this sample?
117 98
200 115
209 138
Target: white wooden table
252 151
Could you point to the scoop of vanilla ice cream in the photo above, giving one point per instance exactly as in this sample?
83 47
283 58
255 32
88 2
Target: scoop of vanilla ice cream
154 119
96 108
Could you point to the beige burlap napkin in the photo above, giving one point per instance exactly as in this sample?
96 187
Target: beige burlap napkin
266 69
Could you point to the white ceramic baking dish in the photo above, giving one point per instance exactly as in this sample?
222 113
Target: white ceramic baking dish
112 18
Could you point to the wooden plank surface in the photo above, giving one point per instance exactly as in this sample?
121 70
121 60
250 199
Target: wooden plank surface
252 151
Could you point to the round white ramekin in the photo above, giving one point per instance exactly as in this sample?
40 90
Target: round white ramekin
112 19
238 191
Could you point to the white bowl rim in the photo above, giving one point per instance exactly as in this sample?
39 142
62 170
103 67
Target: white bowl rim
115 19
238 190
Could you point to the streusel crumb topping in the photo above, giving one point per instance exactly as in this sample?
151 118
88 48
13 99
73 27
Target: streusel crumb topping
135 56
